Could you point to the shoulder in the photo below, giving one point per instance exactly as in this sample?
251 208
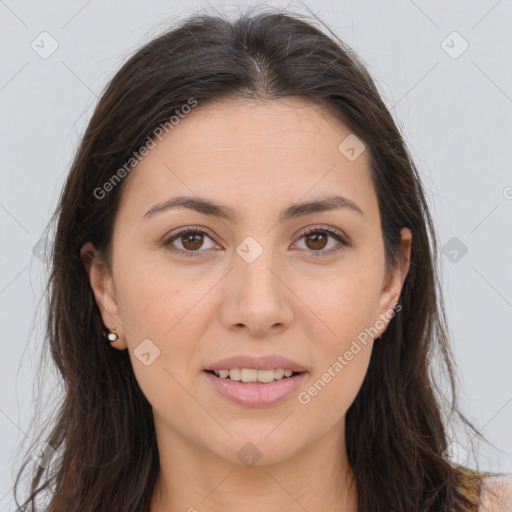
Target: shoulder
496 495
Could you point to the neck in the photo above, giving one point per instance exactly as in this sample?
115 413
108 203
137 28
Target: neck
193 479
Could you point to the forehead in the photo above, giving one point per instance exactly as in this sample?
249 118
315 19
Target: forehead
251 148
290 125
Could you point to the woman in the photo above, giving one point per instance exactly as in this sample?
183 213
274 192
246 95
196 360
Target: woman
244 299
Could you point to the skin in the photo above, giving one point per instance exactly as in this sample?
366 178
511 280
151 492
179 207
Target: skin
257 158
496 495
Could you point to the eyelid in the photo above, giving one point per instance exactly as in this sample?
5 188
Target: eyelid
320 227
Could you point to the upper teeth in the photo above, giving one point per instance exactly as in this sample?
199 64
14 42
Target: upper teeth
251 375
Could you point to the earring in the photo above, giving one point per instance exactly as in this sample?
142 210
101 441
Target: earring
112 336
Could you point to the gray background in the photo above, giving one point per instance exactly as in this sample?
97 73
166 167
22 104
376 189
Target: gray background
454 111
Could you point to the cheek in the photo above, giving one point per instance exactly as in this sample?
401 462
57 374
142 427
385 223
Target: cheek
160 312
342 352
154 297
341 359
347 305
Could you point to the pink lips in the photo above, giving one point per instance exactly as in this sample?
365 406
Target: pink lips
256 394
258 363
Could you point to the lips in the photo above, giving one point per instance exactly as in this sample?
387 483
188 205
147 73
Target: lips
256 394
271 361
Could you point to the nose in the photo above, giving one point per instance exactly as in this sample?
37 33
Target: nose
256 296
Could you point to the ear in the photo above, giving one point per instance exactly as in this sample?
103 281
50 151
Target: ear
394 280
102 285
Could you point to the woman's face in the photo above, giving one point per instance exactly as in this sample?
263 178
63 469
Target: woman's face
252 284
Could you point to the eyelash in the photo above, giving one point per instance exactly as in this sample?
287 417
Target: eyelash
334 234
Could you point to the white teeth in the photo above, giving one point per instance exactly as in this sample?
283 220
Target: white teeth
234 374
247 375
252 375
264 375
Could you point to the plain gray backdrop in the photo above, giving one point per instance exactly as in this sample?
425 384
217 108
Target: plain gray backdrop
442 70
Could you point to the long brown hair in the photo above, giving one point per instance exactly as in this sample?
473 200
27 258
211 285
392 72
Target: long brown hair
106 453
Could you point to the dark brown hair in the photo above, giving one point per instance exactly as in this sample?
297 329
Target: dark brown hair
107 457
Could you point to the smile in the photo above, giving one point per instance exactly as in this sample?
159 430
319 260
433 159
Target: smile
253 375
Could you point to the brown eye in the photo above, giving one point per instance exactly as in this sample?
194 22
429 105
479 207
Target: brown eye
316 240
192 241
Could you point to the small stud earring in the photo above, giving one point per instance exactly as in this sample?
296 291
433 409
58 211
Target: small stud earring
112 336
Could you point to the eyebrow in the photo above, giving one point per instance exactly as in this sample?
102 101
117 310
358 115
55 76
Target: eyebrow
208 207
